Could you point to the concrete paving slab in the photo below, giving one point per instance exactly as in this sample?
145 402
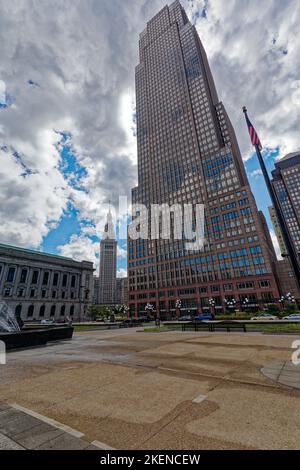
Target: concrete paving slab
64 442
285 373
48 421
17 425
8 444
7 415
289 366
289 375
156 377
4 407
290 383
34 437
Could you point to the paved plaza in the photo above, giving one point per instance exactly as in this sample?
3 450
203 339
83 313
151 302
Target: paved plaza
126 389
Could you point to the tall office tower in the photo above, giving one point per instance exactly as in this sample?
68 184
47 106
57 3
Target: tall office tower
122 290
96 290
286 183
108 264
188 153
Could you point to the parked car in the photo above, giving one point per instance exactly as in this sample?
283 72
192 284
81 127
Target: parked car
265 316
47 322
293 316
204 317
185 318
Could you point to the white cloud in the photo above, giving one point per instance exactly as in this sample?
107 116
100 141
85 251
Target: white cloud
121 252
276 244
82 55
127 110
2 92
23 217
122 272
81 247
256 174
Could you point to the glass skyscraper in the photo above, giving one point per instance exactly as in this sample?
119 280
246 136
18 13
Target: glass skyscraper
188 153
286 183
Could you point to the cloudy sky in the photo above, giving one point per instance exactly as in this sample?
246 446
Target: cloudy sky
67 142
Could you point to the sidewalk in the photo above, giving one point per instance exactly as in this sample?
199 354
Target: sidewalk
20 431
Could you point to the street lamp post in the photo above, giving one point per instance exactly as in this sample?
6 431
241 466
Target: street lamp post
246 303
149 308
287 297
290 297
178 307
122 309
281 301
230 303
212 304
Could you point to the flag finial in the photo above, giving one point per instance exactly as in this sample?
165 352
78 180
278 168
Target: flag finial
244 109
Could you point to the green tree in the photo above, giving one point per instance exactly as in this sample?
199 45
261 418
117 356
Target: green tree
100 311
121 311
289 309
94 312
273 309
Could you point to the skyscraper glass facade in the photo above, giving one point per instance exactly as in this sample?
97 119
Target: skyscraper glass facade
188 154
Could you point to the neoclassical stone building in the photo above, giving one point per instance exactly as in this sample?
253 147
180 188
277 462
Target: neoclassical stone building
41 286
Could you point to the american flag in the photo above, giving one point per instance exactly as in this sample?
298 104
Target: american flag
253 135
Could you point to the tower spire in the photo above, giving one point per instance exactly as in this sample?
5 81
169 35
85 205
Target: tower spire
109 230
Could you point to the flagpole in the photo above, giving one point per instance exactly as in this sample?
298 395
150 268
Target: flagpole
286 236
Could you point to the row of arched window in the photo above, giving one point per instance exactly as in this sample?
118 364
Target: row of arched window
41 313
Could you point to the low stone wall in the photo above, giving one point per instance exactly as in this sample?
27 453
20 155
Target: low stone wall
35 337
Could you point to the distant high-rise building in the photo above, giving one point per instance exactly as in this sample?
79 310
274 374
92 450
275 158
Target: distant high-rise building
286 183
96 290
277 230
188 153
287 279
267 236
108 264
122 290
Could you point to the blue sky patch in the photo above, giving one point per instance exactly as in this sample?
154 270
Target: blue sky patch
61 235
257 183
69 166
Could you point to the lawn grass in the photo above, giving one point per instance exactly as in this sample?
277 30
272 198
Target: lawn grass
162 329
88 327
268 329
275 328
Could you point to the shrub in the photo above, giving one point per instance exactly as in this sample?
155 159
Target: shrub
273 309
289 309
